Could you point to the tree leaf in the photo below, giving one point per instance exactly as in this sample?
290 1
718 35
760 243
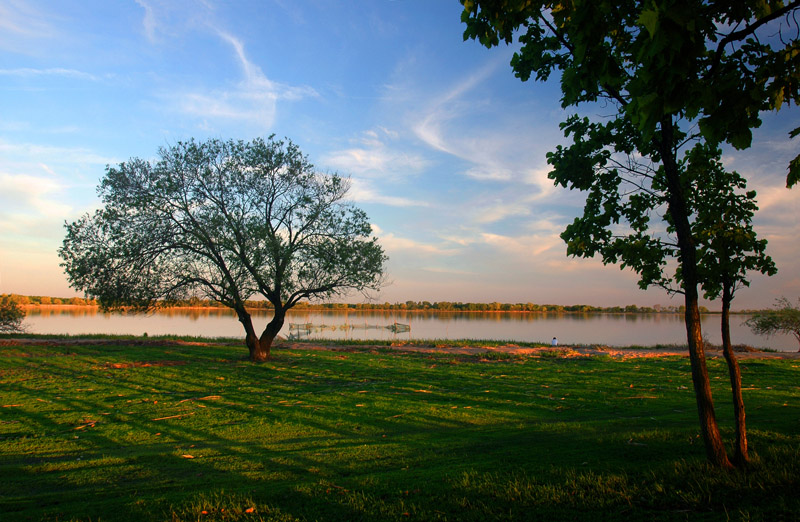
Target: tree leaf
649 19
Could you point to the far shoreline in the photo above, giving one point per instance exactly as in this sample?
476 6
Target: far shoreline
316 308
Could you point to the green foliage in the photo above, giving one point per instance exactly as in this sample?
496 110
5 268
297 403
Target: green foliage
11 315
783 318
727 246
794 166
106 431
663 66
223 221
624 192
717 64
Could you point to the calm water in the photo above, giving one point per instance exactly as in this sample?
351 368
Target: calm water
610 329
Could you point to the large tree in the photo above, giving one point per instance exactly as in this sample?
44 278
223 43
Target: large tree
227 221
669 72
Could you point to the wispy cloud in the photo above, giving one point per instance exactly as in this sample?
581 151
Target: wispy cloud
255 83
50 153
538 178
397 244
770 197
455 122
30 205
21 22
522 246
445 108
371 155
30 73
164 20
149 22
448 271
252 101
362 191
500 210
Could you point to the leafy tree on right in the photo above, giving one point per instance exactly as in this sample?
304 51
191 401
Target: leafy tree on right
783 318
675 75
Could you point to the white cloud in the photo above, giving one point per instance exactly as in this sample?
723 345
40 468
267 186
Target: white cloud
167 19
52 154
489 172
252 101
27 201
372 156
149 22
47 169
20 23
497 140
447 271
538 178
770 197
430 126
394 244
499 211
26 72
522 246
362 191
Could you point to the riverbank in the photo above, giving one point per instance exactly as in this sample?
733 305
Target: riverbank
547 351
446 347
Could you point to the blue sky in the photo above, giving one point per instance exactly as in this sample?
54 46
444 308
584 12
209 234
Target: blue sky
444 146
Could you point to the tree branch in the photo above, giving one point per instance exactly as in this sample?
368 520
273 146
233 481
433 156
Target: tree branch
747 31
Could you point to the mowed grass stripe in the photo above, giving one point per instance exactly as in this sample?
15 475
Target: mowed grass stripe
195 432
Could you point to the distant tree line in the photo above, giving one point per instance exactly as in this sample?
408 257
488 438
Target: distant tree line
47 300
411 306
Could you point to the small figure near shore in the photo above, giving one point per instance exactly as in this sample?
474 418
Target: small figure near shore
555 342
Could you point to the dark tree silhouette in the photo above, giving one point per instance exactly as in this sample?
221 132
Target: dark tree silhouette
225 221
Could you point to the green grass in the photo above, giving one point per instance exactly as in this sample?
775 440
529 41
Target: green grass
125 431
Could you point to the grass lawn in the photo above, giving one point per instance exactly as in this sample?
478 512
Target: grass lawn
149 431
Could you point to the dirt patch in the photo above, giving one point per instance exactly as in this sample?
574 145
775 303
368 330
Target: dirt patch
141 364
541 351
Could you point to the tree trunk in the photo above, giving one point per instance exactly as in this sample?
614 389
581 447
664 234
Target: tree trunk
271 331
260 347
251 340
715 449
740 457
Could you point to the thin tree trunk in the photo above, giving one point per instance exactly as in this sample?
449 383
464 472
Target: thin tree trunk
740 457
715 449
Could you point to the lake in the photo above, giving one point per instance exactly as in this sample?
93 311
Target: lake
570 329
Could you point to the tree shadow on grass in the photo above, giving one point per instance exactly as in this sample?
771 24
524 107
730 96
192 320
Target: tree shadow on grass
308 441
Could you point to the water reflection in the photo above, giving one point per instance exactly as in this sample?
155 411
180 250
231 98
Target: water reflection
570 328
